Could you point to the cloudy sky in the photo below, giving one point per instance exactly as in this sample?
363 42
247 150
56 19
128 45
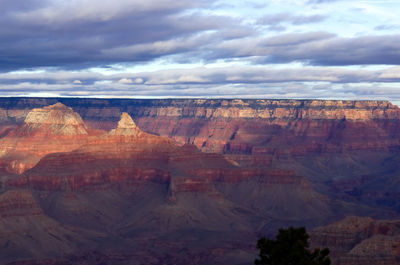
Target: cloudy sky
329 49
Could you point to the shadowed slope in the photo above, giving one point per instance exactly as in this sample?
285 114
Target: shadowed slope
26 232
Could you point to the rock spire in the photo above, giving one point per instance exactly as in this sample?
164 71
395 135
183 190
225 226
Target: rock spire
126 127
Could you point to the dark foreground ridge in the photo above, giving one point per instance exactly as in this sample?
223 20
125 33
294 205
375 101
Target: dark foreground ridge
195 181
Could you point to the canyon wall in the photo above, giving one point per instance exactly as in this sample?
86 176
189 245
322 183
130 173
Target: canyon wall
117 181
349 145
240 126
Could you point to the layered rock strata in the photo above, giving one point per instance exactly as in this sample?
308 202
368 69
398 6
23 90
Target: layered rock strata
244 126
228 172
361 240
51 129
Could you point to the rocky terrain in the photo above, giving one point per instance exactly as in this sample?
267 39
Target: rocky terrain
93 181
356 240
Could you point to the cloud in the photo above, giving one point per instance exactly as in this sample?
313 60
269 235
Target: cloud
76 35
240 81
313 48
79 34
387 27
269 90
125 81
204 75
277 19
21 5
129 81
321 1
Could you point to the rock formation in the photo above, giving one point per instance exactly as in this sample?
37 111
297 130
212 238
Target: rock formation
200 179
360 240
51 129
126 127
56 119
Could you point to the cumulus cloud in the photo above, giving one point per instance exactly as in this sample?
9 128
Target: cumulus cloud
129 81
125 81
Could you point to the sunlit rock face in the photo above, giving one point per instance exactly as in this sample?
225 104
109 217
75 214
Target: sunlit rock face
126 127
56 119
46 130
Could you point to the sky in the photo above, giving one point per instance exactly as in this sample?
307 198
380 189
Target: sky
323 49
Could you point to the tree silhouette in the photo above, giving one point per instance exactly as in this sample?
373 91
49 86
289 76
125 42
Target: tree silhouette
290 248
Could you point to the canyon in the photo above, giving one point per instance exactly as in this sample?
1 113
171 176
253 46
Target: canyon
196 181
